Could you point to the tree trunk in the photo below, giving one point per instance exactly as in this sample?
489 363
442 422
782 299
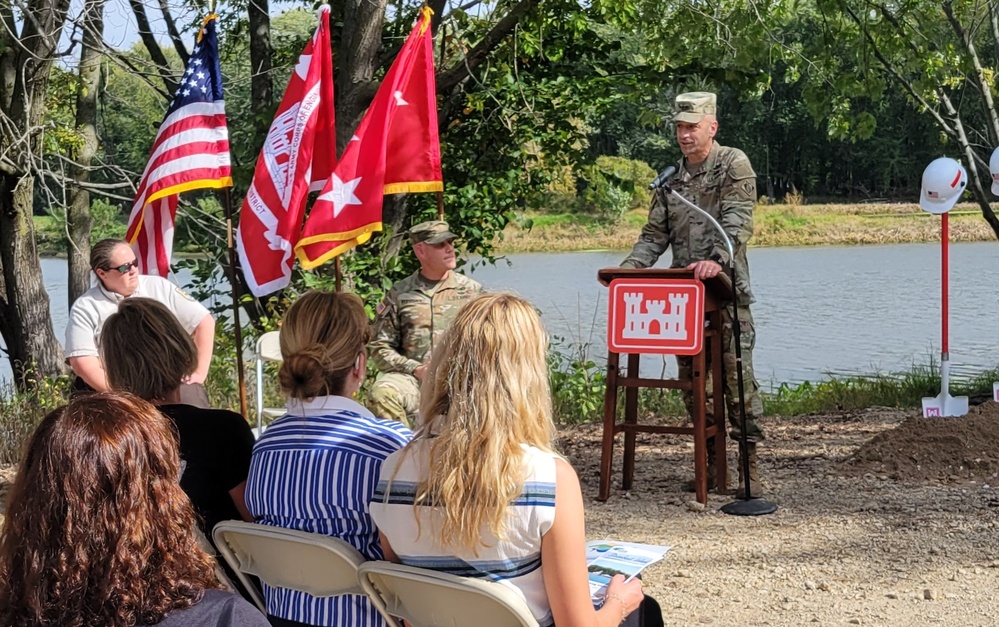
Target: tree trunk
32 347
25 321
153 47
358 59
261 86
78 221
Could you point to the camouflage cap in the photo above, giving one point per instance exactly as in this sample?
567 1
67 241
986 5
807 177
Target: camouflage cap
432 232
693 106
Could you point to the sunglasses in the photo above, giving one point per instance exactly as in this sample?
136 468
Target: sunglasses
125 268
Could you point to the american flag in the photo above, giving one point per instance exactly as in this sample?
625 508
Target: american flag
191 151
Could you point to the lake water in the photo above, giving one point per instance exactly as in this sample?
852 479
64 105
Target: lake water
819 311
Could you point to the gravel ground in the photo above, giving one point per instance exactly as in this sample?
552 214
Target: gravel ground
846 547
849 545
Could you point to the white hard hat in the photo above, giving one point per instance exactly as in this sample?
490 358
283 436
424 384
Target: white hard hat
944 181
994 168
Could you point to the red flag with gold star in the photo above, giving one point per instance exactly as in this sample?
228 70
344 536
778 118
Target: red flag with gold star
395 150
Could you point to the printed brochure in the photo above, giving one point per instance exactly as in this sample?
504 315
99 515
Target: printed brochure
606 558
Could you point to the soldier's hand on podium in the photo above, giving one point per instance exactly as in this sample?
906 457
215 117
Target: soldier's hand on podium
705 269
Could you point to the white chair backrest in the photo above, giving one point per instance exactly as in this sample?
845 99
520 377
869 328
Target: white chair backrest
286 558
269 346
268 349
427 598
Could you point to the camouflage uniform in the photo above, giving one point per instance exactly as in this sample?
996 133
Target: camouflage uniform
411 319
724 185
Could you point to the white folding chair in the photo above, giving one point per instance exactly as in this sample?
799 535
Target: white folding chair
427 598
220 573
287 558
268 349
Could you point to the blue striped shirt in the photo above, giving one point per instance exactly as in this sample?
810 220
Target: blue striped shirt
316 470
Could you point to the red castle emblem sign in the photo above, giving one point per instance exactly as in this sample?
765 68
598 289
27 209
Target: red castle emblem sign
664 316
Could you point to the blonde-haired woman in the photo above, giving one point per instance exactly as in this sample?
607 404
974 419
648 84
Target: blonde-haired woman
480 491
316 468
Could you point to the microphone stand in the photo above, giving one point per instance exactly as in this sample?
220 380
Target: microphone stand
748 505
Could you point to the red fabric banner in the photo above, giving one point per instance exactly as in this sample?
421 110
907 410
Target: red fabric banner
395 150
298 154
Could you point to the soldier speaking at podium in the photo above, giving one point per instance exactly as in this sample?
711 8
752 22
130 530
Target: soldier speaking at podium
721 181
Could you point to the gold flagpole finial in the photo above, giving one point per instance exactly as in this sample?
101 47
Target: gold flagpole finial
425 13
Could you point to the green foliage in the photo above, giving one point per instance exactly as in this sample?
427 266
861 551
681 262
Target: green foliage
131 109
108 222
616 185
50 229
20 413
61 136
898 389
577 384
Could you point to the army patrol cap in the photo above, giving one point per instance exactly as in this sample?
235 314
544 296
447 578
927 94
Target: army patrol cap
432 232
691 107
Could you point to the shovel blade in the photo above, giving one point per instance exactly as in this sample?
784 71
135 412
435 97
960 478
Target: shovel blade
944 405
995 391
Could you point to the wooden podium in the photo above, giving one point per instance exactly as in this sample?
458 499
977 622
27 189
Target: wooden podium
717 293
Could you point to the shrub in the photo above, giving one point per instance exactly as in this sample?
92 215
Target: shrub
614 186
20 412
577 383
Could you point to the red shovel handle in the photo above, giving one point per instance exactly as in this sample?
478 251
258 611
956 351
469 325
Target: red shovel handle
945 276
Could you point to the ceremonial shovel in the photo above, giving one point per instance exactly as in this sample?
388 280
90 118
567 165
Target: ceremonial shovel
944 404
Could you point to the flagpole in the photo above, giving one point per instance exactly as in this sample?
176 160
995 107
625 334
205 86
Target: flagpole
440 205
240 375
339 274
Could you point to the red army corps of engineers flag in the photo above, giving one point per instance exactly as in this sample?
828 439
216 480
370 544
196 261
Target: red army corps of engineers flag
298 153
396 149
191 151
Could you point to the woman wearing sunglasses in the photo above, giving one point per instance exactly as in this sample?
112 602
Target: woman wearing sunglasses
116 268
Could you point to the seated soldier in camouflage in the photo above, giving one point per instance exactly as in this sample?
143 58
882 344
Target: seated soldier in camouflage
411 319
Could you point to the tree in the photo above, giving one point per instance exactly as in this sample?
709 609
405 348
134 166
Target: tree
78 221
929 50
27 54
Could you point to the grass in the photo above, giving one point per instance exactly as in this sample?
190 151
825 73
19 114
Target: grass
578 394
775 225
904 389
578 390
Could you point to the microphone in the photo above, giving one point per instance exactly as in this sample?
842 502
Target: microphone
663 177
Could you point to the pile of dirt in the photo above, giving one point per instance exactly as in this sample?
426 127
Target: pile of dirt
940 449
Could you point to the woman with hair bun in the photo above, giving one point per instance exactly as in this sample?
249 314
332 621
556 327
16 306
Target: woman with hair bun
481 492
315 469
99 531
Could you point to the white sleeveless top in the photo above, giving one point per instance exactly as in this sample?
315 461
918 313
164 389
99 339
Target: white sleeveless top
514 561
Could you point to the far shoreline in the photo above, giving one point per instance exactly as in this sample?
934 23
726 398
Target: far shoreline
776 226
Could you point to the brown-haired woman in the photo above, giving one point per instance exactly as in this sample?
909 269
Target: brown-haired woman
316 468
147 353
99 532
